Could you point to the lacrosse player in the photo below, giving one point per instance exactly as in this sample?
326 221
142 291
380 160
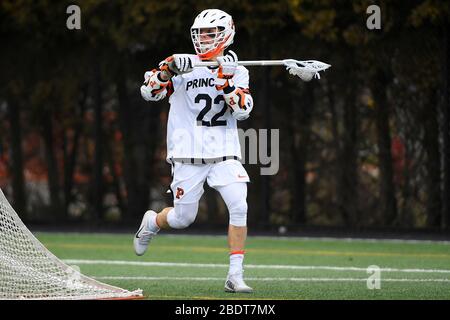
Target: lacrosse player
202 136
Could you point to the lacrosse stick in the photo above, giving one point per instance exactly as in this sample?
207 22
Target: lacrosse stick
306 70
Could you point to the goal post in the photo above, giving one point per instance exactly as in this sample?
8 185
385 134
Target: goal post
29 271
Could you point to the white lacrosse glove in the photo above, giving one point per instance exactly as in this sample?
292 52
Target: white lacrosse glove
147 76
177 64
148 91
227 65
184 63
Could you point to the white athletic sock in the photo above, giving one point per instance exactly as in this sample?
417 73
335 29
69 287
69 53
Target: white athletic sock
236 262
152 225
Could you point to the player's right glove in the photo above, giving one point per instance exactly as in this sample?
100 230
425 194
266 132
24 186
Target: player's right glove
177 64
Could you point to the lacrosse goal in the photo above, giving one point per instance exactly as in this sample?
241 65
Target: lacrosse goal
29 271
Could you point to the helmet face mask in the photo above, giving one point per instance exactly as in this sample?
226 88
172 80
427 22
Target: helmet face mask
206 39
212 32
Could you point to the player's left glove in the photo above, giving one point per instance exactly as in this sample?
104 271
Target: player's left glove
227 68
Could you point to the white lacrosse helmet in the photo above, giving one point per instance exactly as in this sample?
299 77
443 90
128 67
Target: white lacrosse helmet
212 31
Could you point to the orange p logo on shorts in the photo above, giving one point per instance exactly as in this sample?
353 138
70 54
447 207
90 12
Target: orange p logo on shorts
180 193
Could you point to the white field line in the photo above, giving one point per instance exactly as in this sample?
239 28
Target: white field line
247 266
267 279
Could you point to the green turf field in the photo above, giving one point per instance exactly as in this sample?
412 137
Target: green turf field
194 267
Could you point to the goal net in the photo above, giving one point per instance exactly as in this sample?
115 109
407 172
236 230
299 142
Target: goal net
29 271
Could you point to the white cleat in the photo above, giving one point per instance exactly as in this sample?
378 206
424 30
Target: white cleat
235 283
144 235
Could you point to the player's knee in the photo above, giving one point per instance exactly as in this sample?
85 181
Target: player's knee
182 216
187 220
238 214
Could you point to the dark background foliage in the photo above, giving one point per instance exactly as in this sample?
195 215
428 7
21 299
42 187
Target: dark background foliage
365 146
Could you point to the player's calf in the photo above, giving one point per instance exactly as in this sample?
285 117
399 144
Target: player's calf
161 218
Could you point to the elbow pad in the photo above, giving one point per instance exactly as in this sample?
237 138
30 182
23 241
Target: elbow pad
240 101
154 88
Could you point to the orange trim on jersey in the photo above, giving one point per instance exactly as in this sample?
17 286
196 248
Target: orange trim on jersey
237 252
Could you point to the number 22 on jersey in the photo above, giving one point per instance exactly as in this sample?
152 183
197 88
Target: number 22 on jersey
215 120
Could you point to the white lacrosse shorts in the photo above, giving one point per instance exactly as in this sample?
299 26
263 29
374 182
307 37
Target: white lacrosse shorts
188 179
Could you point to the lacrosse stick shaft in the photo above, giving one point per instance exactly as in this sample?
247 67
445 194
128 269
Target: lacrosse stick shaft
243 63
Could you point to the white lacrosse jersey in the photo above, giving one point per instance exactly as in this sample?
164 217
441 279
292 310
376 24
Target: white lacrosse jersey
200 124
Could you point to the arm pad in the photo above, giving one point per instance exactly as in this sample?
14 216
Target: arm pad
239 100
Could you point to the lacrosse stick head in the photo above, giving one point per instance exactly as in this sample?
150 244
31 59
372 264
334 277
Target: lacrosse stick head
305 70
